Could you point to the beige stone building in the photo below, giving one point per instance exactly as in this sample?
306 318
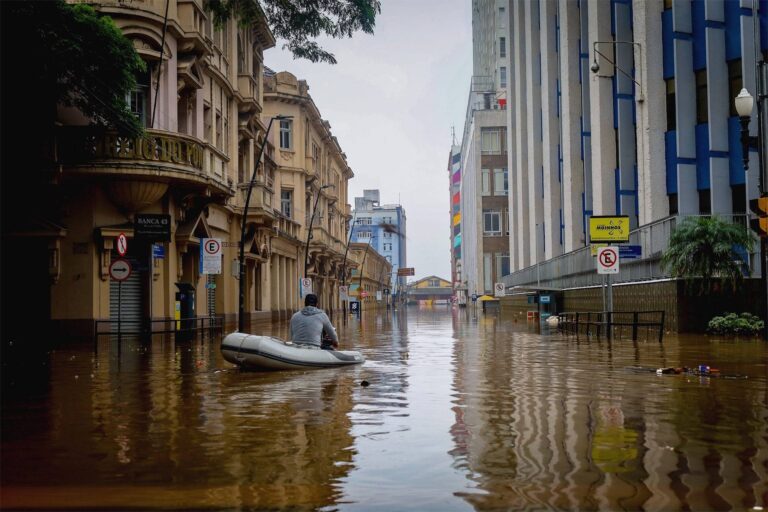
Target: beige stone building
202 103
311 185
372 274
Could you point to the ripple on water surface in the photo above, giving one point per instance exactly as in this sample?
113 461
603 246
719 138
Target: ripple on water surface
463 411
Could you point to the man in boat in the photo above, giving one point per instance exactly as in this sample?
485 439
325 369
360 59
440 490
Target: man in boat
309 323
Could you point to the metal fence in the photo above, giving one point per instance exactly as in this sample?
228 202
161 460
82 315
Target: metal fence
577 269
158 326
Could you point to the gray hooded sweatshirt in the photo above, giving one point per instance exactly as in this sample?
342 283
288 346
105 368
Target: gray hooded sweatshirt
307 326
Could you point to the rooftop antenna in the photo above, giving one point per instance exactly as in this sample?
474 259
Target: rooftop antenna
453 135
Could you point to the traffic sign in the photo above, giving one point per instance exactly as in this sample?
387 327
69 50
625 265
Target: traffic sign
344 293
604 228
474 297
406 271
386 291
608 260
498 290
120 270
354 306
210 256
122 244
306 286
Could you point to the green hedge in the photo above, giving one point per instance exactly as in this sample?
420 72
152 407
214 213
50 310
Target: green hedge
733 324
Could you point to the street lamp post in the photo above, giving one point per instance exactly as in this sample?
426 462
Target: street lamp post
744 103
241 258
344 266
596 67
309 229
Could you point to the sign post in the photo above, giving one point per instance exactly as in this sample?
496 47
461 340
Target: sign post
119 270
608 264
122 244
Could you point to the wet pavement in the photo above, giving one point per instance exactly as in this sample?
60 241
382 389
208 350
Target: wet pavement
463 412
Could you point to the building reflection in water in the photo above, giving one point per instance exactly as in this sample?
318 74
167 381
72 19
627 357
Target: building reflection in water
160 426
555 422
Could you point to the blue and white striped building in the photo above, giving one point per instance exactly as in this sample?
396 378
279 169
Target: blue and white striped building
654 135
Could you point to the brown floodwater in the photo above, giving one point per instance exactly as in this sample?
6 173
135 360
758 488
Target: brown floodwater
463 412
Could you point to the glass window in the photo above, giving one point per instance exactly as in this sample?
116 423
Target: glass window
486 182
493 141
735 82
491 223
502 47
286 134
702 114
502 77
363 221
671 112
387 234
363 234
286 202
138 98
499 182
388 247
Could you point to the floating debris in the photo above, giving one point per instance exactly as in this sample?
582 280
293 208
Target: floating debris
365 383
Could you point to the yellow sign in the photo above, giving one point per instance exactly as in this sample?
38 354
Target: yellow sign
595 247
609 228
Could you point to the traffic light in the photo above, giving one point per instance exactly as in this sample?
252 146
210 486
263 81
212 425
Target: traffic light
759 207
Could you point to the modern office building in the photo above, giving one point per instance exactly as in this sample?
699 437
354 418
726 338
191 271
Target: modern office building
483 191
384 227
624 108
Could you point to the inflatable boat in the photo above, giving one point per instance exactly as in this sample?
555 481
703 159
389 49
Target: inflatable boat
269 353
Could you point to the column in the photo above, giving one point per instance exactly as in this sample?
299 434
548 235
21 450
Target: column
601 102
651 114
550 130
570 122
522 203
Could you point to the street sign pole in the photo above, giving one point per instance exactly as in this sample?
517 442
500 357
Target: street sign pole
119 307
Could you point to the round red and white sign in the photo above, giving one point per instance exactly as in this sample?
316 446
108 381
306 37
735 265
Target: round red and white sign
212 246
608 260
120 270
122 244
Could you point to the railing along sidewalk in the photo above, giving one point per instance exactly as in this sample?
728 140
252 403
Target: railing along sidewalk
605 322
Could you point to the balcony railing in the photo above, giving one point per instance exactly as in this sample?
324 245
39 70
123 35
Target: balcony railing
261 197
578 268
179 155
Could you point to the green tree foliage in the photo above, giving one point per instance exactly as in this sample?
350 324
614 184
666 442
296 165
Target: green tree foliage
298 22
705 247
70 55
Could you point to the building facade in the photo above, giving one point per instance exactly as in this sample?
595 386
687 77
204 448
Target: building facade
371 277
625 108
311 184
202 104
384 227
454 190
484 181
430 290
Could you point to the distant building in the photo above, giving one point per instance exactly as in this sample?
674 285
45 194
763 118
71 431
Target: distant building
384 227
370 281
430 290
484 205
454 189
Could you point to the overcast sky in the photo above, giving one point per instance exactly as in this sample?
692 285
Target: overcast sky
391 101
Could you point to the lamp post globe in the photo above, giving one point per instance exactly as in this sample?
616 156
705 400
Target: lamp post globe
744 103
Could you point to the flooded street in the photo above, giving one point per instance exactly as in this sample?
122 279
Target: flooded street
463 412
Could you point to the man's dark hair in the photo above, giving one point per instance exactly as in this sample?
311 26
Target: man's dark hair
310 300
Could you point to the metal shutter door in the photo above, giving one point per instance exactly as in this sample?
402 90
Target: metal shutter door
130 302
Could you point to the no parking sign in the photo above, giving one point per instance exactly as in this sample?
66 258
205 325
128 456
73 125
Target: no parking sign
608 260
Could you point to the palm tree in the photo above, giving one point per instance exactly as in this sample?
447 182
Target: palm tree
706 247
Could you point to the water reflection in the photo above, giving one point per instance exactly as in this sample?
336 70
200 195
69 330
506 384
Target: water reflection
464 411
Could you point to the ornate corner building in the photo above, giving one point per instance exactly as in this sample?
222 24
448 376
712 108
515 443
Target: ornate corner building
202 103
